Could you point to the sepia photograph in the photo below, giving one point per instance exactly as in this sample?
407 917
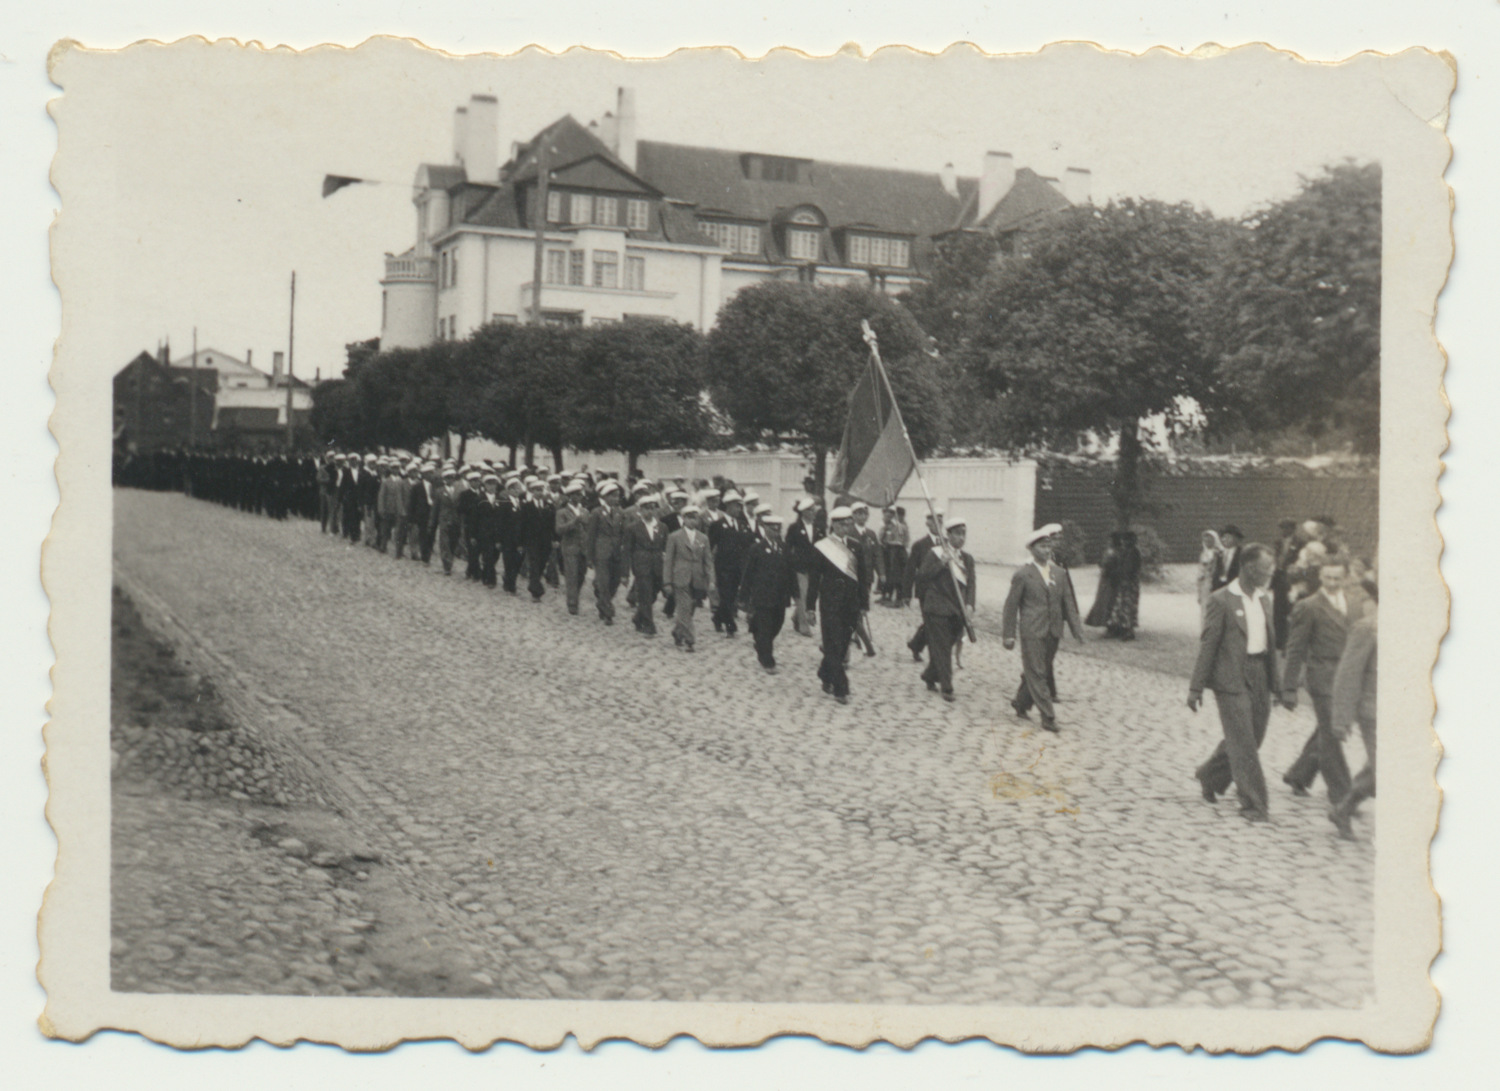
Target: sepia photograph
878 546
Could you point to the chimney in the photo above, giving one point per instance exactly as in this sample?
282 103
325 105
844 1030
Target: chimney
165 356
249 356
625 124
609 131
995 181
1077 181
482 161
277 358
460 135
949 178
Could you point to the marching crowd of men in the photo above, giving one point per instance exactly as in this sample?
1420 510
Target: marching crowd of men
715 548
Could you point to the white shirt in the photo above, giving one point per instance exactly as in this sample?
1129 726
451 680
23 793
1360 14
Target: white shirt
1044 569
1338 601
1255 619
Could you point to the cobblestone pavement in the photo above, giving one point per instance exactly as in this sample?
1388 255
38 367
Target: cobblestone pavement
567 810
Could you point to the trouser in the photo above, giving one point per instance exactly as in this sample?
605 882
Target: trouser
764 623
536 563
1363 785
471 554
607 574
1036 686
685 606
371 524
425 535
1243 717
327 512
837 633
403 532
336 517
802 608
1322 753
511 557
646 587
895 566
943 634
352 515
918 641
447 545
729 591
554 566
573 570
487 553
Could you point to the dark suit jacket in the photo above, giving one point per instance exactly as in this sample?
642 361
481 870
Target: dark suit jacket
1314 644
799 546
485 521
840 599
643 550
1225 574
768 582
418 507
446 504
1036 609
604 535
1223 645
1354 683
937 591
919 549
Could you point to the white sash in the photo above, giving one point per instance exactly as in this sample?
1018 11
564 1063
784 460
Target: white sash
835 550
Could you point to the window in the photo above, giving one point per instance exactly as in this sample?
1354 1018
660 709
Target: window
637 215
575 268
635 274
443 269
384 309
736 238
606 269
749 239
606 321
802 245
606 211
557 267
505 319
859 250
554 206
562 318
452 268
874 250
580 208
900 253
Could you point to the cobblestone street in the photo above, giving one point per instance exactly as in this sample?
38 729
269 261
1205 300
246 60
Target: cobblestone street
490 797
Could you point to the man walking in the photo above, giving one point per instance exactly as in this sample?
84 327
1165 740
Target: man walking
645 548
1315 643
840 593
767 587
1237 660
445 519
1354 685
686 569
572 522
932 540
1041 602
945 593
604 547
801 541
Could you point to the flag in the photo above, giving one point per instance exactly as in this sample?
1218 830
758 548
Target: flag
332 183
875 458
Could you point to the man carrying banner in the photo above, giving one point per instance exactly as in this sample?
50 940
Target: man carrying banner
843 599
944 589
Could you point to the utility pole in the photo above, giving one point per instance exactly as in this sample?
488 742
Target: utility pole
291 332
539 252
193 396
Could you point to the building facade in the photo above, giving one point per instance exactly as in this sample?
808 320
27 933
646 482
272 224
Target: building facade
641 230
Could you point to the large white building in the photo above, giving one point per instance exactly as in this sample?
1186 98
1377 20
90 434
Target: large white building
644 230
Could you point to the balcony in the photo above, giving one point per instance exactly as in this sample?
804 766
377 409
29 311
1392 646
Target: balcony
410 269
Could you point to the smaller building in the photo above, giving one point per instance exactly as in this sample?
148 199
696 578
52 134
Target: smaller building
158 405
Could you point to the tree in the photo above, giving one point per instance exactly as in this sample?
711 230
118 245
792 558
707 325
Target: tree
1297 310
1096 326
784 357
635 386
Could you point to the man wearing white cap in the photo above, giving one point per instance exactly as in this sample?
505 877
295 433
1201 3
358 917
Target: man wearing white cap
572 521
1040 604
511 533
445 519
468 503
645 547
801 538
732 538
919 550
685 569
487 516
841 594
945 590
604 545
767 587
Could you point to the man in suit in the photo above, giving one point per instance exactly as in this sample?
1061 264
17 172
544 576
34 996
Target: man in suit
1040 604
328 499
1227 566
872 565
572 522
1354 685
1314 645
350 487
485 518
735 536
604 548
511 532
414 513
841 594
445 522
538 525
919 550
801 538
645 548
945 593
1237 660
685 568
767 587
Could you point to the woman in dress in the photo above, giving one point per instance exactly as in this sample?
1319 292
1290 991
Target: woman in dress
1109 584
1208 563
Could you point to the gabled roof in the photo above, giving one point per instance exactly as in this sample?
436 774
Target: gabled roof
220 361
569 147
1030 197
713 179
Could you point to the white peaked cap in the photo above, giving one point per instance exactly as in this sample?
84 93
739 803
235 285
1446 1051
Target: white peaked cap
840 512
1043 532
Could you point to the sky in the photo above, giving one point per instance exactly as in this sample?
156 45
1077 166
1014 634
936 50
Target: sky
193 171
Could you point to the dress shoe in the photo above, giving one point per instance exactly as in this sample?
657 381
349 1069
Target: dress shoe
1297 789
948 696
769 670
1209 795
1255 816
842 698
1019 711
827 687
1341 819
915 655
931 685
1050 725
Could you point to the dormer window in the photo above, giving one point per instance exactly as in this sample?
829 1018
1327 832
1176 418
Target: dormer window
736 238
638 215
801 244
776 168
879 250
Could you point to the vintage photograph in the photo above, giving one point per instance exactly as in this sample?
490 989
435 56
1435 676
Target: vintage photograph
878 546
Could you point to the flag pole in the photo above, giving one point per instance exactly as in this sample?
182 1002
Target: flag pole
947 550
